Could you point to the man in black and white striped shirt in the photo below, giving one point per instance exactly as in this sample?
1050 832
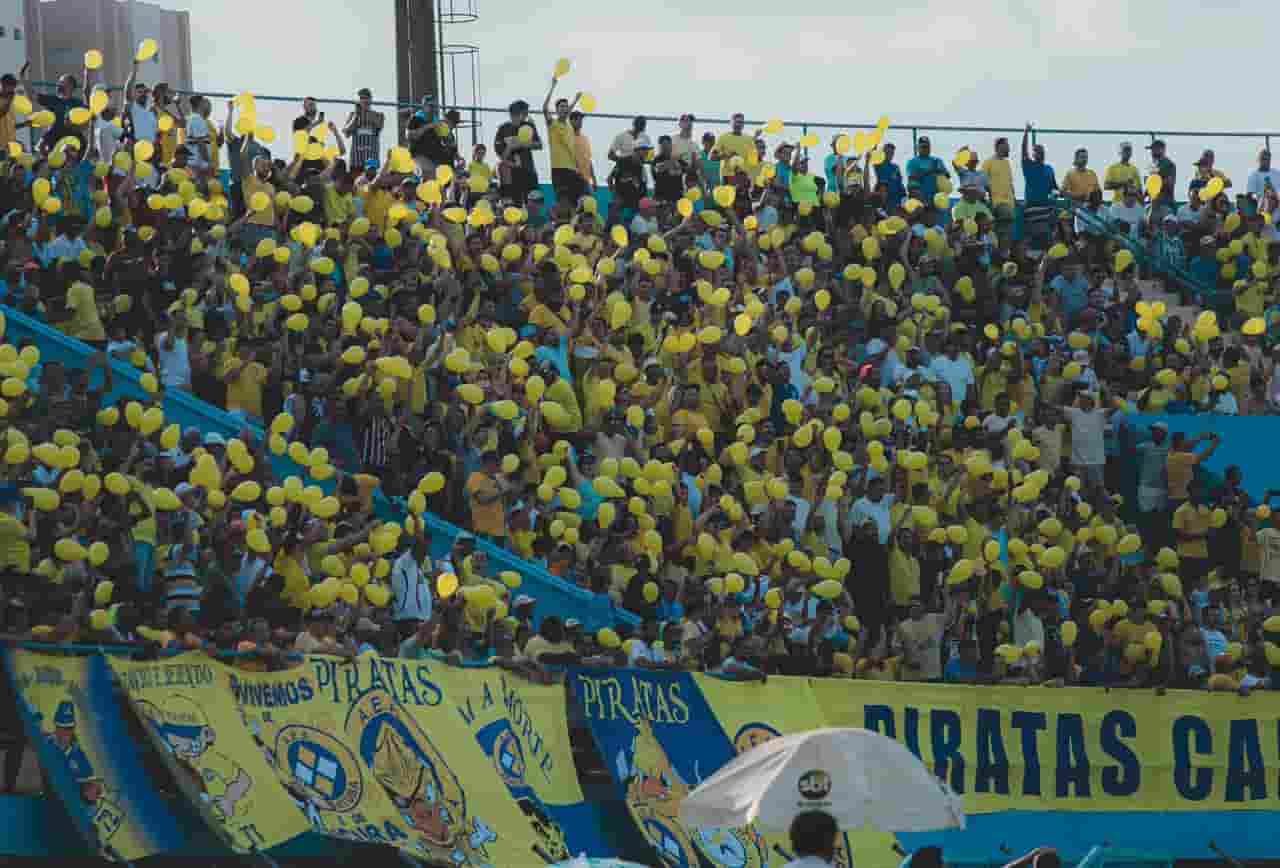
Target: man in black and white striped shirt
377 437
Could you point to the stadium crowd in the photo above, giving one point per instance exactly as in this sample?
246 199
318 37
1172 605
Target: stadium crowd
844 415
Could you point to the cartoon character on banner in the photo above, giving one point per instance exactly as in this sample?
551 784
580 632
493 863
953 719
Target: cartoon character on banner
184 730
419 781
102 809
507 755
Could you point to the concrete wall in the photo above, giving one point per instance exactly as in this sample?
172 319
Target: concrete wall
13 36
63 30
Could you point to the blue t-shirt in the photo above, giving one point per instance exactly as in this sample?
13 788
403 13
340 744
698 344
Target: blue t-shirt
1038 182
891 176
922 174
1073 293
829 169
958 670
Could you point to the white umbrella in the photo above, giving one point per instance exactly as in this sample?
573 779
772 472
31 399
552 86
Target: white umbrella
859 777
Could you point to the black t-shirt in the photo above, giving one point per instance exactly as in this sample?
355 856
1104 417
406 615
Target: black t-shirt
418 146
440 144
668 179
524 157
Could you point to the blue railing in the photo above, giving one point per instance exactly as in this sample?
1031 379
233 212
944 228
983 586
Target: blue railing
553 595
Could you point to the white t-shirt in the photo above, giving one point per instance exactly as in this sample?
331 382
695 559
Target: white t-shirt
175 363
625 144
1088 427
1258 181
109 136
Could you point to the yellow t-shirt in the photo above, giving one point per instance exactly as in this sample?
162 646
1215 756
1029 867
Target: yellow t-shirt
338 207
1079 183
250 185
1125 174
15 551
8 126
486 518
377 204
560 136
244 393
85 322
1180 468
168 139
735 145
1192 519
1000 174
479 169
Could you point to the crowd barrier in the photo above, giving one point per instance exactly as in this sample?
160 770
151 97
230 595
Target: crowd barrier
474 767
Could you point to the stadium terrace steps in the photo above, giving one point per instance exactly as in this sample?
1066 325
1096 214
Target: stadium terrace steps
552 595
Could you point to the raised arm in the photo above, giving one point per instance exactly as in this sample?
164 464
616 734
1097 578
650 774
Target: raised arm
546 103
1026 142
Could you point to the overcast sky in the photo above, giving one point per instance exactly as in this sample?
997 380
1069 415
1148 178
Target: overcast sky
1121 64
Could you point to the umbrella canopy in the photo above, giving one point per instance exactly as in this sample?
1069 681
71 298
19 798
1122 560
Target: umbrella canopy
859 777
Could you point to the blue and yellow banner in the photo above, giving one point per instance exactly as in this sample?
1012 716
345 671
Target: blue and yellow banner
1077 749
474 767
186 706
76 727
660 738
374 749
523 729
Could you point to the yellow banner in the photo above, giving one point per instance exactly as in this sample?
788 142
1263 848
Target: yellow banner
186 703
523 730
1076 749
304 737
753 713
377 748
59 698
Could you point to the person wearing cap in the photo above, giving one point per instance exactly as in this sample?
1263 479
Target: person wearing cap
364 128
923 172
1205 172
1122 175
521 174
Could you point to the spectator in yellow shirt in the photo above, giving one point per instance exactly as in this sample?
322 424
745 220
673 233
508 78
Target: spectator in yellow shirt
1122 174
1081 180
245 379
